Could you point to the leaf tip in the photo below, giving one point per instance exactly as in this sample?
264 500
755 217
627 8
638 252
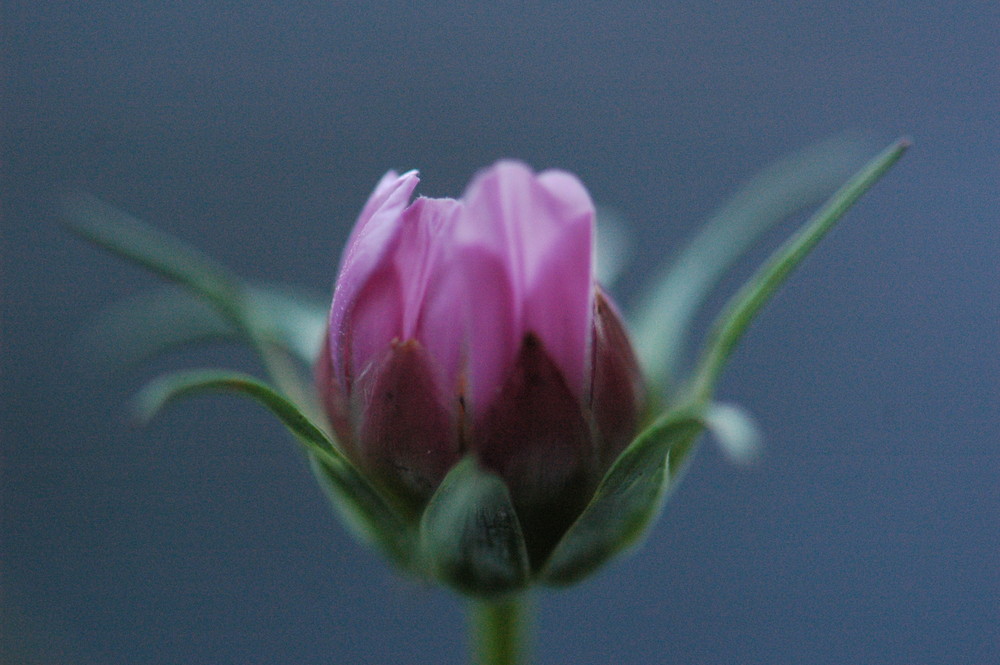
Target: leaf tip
735 431
147 403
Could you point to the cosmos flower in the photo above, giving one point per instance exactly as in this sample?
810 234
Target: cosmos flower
476 327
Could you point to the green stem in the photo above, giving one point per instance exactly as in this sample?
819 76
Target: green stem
498 631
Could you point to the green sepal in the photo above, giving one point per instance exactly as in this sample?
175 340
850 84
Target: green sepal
470 535
366 511
628 498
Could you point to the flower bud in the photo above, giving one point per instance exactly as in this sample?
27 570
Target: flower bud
475 326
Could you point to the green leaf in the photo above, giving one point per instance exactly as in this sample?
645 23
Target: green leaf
248 313
290 318
470 534
612 247
735 431
628 498
141 327
751 298
783 188
632 491
364 508
163 319
122 234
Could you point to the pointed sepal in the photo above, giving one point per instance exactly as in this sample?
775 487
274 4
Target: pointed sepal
627 500
470 535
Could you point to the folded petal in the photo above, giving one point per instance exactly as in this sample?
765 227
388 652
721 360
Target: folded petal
560 286
370 245
470 324
541 228
499 209
422 252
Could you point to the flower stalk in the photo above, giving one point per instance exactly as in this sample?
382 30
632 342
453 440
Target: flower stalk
499 630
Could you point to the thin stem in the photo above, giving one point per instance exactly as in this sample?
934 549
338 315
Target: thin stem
498 631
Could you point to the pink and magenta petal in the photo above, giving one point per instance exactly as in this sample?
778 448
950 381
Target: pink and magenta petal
370 246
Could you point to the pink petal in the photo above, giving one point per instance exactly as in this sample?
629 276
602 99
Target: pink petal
560 286
541 228
568 194
371 323
470 324
423 246
387 186
498 207
369 246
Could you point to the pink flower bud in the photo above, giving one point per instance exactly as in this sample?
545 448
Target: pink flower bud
476 326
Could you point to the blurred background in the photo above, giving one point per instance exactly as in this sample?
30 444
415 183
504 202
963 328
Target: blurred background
868 530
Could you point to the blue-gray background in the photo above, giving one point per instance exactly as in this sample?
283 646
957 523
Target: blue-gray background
868 531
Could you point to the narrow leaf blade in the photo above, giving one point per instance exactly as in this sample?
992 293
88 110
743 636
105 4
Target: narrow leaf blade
796 182
141 327
122 234
470 534
364 508
751 298
163 319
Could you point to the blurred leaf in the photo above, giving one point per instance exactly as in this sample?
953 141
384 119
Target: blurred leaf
364 508
141 327
632 491
627 499
783 188
612 245
735 430
470 534
291 318
750 299
122 234
364 511
267 319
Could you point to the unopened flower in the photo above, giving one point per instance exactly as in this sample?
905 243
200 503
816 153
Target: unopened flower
475 326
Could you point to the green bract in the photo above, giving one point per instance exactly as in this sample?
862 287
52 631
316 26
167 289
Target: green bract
468 536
